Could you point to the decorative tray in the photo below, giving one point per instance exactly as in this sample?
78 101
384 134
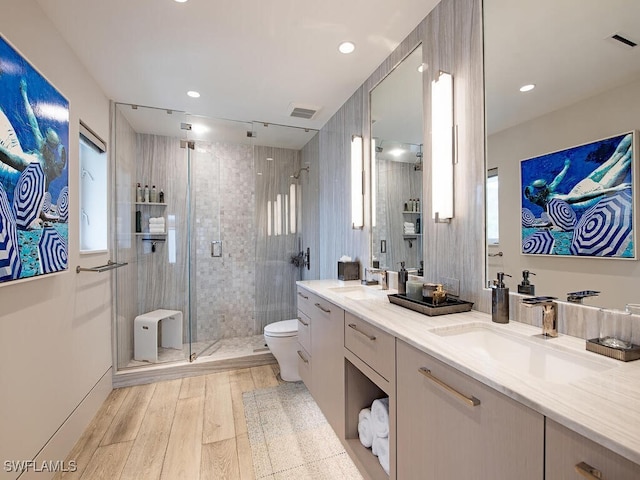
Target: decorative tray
450 305
624 354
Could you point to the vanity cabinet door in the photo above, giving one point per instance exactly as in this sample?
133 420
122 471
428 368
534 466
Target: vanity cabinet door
327 343
569 455
450 426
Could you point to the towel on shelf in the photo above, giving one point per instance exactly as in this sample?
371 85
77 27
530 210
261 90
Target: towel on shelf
156 221
380 417
364 427
381 449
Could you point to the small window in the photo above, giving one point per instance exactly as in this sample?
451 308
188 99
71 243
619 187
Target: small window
493 229
93 193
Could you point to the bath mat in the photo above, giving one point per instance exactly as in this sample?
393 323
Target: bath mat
290 437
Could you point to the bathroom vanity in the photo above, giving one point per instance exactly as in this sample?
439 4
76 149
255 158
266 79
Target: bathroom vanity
468 398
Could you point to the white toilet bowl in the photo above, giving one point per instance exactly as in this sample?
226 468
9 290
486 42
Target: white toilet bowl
282 340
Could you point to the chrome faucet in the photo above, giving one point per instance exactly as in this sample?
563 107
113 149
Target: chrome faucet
383 275
549 314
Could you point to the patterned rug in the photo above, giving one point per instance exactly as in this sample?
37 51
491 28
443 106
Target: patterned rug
290 437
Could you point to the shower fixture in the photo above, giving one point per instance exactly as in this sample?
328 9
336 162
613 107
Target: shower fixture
297 174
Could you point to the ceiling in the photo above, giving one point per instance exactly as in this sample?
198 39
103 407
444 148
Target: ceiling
249 59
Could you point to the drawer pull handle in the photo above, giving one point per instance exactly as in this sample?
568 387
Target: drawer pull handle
306 324
325 310
471 401
303 295
302 357
355 327
587 471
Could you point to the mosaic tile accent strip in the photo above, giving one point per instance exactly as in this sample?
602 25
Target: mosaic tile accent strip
290 437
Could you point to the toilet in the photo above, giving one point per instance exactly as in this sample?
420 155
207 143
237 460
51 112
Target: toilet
282 340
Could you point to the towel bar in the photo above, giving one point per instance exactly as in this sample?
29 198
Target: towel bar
102 268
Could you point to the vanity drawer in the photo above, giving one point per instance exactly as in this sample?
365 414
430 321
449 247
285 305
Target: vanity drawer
305 302
304 330
373 346
304 367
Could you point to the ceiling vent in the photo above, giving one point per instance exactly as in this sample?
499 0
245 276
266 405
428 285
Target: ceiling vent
298 110
622 39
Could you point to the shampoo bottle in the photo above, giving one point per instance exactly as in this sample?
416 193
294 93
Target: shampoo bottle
153 196
146 193
161 197
138 193
500 300
403 276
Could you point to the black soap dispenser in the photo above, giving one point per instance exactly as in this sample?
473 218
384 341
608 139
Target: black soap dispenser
500 300
526 287
403 276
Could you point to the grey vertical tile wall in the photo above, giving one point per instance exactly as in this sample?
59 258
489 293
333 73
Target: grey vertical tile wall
310 214
126 278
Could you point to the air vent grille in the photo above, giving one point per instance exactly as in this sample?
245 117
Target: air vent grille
619 38
298 110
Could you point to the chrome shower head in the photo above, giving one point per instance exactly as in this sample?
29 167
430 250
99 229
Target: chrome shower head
297 174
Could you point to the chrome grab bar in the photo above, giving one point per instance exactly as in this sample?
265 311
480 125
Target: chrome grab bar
499 254
355 327
102 268
471 401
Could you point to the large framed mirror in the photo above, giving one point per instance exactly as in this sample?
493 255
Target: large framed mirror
580 57
396 166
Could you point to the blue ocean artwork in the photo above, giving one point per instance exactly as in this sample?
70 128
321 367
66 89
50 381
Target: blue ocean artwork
583 198
34 170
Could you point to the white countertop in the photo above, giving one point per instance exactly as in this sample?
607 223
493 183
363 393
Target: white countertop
603 406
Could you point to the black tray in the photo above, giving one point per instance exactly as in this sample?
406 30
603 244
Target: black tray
450 305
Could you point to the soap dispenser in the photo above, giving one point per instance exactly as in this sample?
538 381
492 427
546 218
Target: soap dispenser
403 276
526 287
500 300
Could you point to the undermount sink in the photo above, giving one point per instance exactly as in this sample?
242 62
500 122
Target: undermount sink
522 354
357 292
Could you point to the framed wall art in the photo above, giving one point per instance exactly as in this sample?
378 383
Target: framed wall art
34 179
579 202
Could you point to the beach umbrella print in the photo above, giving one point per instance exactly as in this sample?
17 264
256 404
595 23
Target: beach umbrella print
63 204
52 250
528 218
561 214
10 264
28 196
540 242
604 230
46 205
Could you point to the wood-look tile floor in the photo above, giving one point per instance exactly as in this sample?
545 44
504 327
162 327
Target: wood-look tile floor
187 429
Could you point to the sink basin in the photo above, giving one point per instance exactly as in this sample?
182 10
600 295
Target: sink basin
358 292
522 354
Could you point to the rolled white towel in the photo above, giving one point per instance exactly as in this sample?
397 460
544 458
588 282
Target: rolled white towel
380 417
156 221
381 449
364 427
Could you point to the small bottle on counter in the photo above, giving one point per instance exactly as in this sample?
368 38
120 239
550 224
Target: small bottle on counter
138 193
161 196
153 195
146 193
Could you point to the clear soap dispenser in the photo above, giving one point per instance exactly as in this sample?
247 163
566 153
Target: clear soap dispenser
500 300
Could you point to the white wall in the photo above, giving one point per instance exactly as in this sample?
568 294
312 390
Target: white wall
604 115
54 331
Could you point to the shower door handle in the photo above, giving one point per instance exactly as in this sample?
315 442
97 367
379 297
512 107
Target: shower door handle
216 248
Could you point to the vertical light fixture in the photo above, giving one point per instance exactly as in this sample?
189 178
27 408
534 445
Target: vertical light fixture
374 182
357 190
442 148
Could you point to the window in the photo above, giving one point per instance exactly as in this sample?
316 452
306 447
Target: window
93 192
493 230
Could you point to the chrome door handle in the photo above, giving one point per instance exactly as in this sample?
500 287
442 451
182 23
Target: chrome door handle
302 357
306 324
587 471
355 327
471 401
325 310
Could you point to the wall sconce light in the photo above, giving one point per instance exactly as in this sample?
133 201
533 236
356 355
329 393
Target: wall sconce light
442 148
374 182
357 182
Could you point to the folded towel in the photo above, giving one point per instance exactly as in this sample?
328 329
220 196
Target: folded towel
409 224
381 449
380 417
407 229
364 427
156 220
156 229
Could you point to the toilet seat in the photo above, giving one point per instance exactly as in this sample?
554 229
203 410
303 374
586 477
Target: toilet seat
284 328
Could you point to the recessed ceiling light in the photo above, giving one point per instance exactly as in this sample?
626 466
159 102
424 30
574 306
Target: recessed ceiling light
269 159
180 1
346 47
193 94
526 88
422 67
199 128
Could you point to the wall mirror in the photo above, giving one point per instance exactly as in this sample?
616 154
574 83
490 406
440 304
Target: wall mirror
581 58
396 156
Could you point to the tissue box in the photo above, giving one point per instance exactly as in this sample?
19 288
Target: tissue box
348 270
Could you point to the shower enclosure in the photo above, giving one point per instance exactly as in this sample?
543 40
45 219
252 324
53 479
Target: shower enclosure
217 244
